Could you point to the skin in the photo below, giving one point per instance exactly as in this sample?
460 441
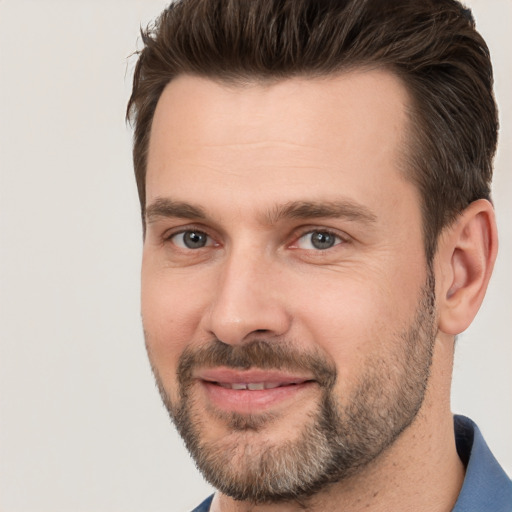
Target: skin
243 153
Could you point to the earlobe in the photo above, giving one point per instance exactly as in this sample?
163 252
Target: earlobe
466 254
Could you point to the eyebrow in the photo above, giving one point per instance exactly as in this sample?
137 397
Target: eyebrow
325 209
166 207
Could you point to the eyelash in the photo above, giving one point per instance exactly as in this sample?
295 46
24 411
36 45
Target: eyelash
169 237
339 239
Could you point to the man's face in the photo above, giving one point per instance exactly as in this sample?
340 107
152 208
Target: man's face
286 301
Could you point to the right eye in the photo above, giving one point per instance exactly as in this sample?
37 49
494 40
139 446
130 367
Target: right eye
191 239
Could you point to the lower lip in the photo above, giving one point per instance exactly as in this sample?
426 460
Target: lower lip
246 401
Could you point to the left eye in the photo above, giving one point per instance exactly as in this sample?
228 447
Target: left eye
318 240
191 239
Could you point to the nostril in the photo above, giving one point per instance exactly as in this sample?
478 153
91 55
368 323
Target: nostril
238 321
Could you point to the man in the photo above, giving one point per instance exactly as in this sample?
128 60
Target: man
314 178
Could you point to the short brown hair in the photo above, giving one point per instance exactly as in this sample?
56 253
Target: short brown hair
432 45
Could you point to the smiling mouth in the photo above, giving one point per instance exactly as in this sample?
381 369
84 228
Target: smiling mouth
252 391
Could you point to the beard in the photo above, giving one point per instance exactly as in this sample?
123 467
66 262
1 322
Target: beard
334 442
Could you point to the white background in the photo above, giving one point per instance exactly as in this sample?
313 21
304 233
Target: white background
81 424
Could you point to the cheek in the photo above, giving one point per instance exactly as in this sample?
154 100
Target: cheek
355 320
342 323
169 317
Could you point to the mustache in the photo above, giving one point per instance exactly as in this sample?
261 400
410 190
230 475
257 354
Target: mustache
259 354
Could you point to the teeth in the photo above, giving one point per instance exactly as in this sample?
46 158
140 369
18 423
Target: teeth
252 386
256 386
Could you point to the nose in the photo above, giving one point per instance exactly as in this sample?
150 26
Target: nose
248 301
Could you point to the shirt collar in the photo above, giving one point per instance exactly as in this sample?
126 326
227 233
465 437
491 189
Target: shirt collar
486 486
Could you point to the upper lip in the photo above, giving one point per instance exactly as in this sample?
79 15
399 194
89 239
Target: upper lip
252 376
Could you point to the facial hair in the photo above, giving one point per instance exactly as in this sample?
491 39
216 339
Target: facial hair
336 441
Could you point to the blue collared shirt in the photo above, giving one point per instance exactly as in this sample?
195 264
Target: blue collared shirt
486 486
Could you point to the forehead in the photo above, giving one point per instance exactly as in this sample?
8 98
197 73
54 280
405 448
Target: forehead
318 137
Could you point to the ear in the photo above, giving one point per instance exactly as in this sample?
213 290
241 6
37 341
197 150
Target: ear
464 261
